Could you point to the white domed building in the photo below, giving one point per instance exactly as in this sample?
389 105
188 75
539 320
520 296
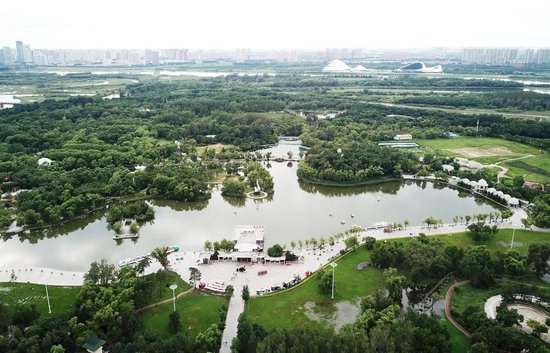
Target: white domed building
44 162
513 202
482 185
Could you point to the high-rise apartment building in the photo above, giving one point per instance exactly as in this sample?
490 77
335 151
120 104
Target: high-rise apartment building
20 52
543 56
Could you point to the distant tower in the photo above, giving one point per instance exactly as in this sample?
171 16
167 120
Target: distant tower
20 52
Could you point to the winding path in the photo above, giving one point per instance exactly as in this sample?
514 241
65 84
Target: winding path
448 298
166 301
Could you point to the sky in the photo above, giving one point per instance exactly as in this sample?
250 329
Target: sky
274 24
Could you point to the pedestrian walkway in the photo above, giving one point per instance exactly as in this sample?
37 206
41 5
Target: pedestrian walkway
236 308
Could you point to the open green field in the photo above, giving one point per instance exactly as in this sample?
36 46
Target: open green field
197 312
485 150
287 309
536 168
217 147
62 299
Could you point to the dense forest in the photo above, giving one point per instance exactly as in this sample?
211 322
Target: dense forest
512 99
146 142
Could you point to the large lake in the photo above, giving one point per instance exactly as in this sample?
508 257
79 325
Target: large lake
295 211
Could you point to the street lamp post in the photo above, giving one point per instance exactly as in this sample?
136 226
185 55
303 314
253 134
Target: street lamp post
333 264
173 288
48 299
513 234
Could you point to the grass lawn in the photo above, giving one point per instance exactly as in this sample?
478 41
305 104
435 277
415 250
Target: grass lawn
61 298
536 168
164 291
501 241
197 312
287 309
459 342
217 147
482 149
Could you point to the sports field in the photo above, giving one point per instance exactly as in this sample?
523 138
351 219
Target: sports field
519 158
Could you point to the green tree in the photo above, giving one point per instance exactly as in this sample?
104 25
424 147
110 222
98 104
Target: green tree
134 227
57 349
477 265
324 281
143 264
161 255
538 256
233 187
229 289
507 317
194 276
245 293
351 242
174 321
101 273
275 251
209 340
394 283
370 242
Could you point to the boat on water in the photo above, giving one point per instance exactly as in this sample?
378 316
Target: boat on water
136 259
173 248
131 260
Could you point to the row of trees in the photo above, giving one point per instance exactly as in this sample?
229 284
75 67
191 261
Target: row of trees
430 259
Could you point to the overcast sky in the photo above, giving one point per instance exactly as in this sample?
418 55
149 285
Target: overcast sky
278 24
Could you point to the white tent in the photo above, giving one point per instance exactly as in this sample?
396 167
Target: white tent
513 202
506 197
492 191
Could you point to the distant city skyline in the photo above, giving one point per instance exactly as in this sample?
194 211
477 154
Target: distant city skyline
285 24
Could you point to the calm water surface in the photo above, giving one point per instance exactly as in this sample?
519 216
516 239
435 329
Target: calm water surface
295 211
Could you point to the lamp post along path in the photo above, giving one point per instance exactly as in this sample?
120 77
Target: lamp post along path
48 299
333 264
173 288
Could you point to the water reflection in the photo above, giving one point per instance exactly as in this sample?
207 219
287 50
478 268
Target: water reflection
295 211
391 187
235 201
181 206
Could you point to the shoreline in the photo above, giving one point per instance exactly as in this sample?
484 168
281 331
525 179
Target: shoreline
223 270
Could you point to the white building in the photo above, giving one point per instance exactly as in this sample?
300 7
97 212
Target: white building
513 202
248 238
403 137
482 185
421 67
